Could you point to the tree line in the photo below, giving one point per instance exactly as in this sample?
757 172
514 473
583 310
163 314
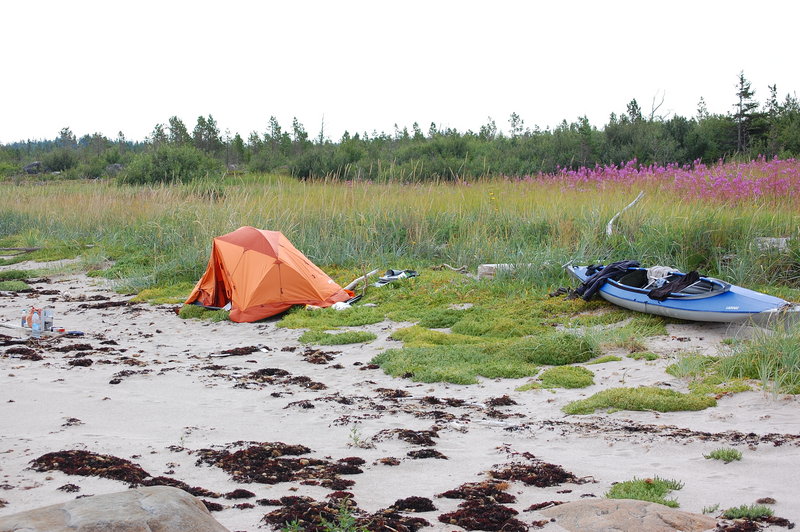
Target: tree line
173 153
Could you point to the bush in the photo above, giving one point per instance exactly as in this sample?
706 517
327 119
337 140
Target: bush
60 160
167 164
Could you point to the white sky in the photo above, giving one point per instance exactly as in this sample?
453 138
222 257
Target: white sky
105 66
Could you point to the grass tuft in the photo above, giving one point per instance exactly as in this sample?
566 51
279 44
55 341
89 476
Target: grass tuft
459 364
328 318
644 398
566 377
726 454
202 313
772 357
13 286
165 295
643 355
417 336
554 349
604 359
347 337
748 511
647 489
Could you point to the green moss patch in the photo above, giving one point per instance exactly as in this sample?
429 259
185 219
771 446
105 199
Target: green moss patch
328 318
554 349
566 377
648 489
347 337
165 295
417 336
459 364
643 355
644 398
604 359
202 313
18 275
13 286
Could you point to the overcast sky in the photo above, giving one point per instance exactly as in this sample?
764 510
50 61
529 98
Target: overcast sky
108 66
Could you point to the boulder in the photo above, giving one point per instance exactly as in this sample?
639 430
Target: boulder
33 168
154 509
589 515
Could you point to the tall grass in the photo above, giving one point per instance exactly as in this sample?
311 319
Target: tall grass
772 357
162 234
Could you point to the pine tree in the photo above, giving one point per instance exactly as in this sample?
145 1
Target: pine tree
744 110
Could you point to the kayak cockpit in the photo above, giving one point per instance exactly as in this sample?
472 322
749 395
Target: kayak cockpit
638 280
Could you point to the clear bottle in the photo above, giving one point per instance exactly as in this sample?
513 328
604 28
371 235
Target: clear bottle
24 318
36 324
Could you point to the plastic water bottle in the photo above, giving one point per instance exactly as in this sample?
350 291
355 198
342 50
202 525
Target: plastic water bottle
36 325
24 318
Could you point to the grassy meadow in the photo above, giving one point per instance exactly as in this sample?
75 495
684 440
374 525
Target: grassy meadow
154 241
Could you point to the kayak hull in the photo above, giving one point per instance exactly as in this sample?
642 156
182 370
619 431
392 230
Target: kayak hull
733 305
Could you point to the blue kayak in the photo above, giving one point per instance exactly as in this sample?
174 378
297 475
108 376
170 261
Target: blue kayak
707 299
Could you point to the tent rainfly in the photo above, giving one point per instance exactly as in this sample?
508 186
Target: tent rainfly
260 274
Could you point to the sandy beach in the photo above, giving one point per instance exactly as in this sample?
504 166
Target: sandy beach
163 393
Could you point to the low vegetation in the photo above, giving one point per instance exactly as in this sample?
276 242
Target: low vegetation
748 511
726 454
562 377
648 489
644 398
604 359
772 358
347 337
13 286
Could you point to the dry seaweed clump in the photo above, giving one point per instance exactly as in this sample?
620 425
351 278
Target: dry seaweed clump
535 473
483 514
89 464
493 490
265 463
340 512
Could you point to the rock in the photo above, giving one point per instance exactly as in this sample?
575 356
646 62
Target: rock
780 244
113 169
623 514
488 271
33 168
154 509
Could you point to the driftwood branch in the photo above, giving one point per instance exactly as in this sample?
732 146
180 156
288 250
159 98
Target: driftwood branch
609 227
23 250
359 279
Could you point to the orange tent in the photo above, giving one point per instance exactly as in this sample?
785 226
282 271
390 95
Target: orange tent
260 273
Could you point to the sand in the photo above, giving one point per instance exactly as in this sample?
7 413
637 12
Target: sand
176 395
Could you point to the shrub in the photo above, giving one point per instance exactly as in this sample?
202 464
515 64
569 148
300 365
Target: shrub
644 398
60 160
167 164
647 489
